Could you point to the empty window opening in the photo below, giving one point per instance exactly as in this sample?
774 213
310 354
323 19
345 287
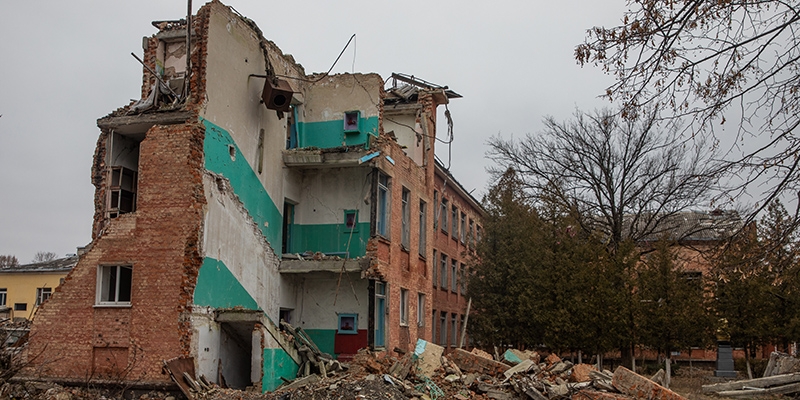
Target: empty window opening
404 307
291 128
121 173
288 223
42 294
351 220
421 309
423 211
443 214
348 324
285 315
443 329
443 272
453 275
114 285
454 230
406 217
351 119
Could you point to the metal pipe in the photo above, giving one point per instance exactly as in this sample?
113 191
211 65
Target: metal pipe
154 74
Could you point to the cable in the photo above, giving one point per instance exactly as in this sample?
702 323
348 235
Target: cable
329 69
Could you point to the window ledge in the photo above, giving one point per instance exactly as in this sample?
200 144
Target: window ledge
120 305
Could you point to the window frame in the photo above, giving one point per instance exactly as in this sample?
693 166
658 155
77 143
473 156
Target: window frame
102 271
43 294
383 205
454 222
405 235
443 272
423 216
343 331
421 309
403 307
463 227
443 210
3 296
453 275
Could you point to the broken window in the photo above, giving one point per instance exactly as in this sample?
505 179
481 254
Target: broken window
462 288
404 307
420 309
122 191
454 218
435 216
382 206
433 325
405 237
471 233
443 329
3 296
42 294
121 174
443 272
423 211
435 270
463 228
453 275
454 329
114 285
443 214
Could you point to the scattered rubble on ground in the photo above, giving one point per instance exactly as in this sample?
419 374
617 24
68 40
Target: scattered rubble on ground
782 376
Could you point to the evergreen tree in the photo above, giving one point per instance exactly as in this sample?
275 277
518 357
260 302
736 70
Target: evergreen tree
670 310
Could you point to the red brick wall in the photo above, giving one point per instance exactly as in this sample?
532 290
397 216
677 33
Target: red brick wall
160 241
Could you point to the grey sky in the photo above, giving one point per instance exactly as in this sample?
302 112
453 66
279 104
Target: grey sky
65 64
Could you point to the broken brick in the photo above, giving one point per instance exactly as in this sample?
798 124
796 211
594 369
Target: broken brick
580 372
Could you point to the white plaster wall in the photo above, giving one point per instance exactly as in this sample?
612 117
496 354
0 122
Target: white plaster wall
124 151
331 97
231 236
406 137
205 343
234 98
326 193
315 296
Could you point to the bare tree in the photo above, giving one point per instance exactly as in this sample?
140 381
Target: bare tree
8 261
711 63
43 256
625 178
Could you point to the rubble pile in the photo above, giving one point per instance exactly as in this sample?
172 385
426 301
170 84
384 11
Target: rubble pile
427 374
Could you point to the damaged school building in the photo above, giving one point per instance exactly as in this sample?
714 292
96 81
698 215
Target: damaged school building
246 192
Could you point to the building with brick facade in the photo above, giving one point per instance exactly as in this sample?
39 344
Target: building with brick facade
240 191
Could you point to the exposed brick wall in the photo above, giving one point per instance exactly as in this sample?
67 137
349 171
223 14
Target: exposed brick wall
99 182
160 241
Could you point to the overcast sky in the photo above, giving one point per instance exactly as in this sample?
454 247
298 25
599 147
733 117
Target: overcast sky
66 64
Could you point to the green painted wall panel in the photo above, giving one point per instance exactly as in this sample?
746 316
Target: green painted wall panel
323 338
218 288
277 364
330 238
328 134
244 181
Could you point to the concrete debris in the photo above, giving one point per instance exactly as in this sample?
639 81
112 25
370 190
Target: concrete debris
639 387
771 385
781 364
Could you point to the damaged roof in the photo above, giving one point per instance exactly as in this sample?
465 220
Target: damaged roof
409 88
58 265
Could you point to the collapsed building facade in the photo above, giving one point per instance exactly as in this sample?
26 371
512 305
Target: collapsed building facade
239 192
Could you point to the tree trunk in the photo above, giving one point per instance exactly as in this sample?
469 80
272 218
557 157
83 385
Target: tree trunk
668 369
580 357
633 358
747 361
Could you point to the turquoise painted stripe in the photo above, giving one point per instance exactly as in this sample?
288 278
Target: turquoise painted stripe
330 238
217 287
323 338
277 364
327 134
244 181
